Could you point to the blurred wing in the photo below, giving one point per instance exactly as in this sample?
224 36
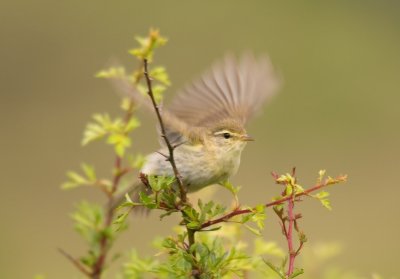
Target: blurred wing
232 88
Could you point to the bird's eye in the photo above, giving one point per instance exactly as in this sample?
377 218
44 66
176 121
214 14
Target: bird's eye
226 135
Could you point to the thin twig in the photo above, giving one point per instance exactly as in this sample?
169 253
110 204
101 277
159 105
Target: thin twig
300 246
289 235
98 267
75 262
119 172
170 147
171 159
277 202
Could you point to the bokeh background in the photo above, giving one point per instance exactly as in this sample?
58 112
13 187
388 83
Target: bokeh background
338 110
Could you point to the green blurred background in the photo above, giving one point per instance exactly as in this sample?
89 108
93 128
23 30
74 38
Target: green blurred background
338 110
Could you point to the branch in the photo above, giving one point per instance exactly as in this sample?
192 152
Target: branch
239 211
171 159
75 262
289 235
170 147
98 267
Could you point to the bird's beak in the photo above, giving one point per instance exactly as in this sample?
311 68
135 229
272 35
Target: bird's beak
246 138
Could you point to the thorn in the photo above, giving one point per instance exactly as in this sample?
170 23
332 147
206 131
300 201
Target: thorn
162 154
298 216
179 144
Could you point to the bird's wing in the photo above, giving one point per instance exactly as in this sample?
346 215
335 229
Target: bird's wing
232 89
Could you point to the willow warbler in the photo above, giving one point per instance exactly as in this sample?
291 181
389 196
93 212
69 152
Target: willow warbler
207 119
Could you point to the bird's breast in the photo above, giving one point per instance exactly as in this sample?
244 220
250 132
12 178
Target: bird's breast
198 166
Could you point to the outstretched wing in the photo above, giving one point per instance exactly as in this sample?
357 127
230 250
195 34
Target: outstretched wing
232 88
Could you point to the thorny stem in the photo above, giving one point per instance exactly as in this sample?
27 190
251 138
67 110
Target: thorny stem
170 157
287 231
119 172
289 235
239 211
98 267
104 241
170 147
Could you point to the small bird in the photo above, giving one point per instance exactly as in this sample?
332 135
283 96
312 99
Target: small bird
206 121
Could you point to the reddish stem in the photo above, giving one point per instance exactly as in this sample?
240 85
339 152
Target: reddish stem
238 211
99 265
289 236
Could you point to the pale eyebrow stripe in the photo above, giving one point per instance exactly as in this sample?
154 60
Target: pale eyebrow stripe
225 131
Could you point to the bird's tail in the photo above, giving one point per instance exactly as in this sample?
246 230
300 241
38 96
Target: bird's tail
133 193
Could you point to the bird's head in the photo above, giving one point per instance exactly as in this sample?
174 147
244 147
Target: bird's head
229 136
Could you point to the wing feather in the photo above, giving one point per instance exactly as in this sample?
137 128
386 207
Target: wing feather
232 88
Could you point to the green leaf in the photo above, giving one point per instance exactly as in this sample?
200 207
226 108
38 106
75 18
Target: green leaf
302 237
120 221
191 214
262 247
253 230
321 175
246 218
147 200
120 142
75 177
158 91
159 73
88 220
276 269
323 198
147 45
322 195
89 172
326 203
128 198
75 180
193 225
95 131
113 72
296 273
126 104
142 89
132 124
229 186
69 185
158 183
137 162
143 41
